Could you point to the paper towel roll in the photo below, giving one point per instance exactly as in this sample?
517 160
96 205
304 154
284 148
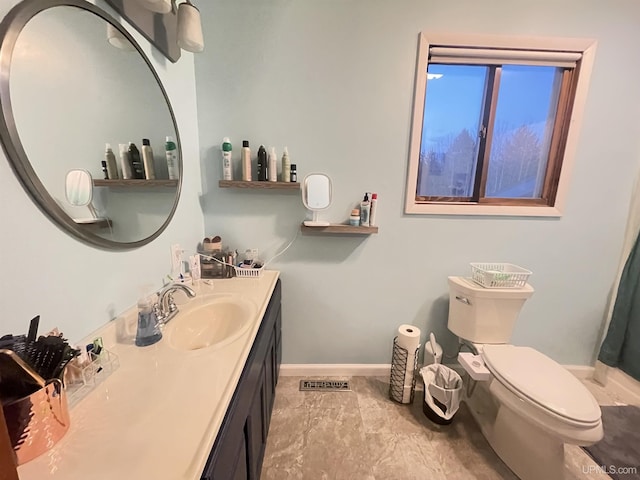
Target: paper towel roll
409 339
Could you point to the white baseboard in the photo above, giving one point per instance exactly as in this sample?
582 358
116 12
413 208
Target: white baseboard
326 370
582 372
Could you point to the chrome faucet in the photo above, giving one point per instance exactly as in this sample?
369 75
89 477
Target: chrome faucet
166 307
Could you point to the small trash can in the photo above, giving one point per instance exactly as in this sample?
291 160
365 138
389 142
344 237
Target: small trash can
442 393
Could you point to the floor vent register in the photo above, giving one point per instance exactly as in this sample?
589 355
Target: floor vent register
325 386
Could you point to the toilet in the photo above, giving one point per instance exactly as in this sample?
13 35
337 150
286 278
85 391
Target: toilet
527 405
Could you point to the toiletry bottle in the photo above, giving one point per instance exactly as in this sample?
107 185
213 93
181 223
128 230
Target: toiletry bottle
148 331
112 166
373 210
226 159
364 211
273 165
286 166
262 164
147 160
172 158
105 172
136 161
354 219
125 164
294 173
245 158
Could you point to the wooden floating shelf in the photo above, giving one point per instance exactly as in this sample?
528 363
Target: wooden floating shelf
338 229
94 223
259 185
135 183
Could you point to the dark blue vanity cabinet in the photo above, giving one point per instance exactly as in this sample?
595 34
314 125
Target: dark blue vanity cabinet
238 451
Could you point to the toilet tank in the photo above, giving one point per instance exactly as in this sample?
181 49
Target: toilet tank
484 315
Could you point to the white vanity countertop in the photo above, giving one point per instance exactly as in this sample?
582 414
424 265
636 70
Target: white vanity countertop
157 416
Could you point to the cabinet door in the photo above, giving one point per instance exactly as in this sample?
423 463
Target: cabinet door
257 429
232 461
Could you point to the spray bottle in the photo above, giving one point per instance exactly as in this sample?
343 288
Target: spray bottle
246 161
112 166
273 167
147 160
286 166
227 174
172 159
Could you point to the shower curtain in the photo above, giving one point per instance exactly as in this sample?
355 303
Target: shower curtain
621 346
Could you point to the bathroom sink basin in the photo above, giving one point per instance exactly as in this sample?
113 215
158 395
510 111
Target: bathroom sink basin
215 323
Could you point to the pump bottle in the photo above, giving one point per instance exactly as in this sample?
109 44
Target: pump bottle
365 206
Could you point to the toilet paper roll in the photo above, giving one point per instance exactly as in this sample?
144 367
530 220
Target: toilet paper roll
409 339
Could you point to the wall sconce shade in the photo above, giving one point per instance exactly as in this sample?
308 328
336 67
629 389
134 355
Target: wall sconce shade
190 28
117 39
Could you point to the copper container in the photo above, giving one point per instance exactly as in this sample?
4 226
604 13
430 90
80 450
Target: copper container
37 422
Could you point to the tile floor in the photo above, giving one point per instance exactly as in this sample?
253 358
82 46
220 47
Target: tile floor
362 435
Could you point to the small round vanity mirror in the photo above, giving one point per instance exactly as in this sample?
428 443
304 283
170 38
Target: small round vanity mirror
316 196
66 92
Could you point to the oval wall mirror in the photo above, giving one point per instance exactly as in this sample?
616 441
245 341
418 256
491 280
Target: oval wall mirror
65 93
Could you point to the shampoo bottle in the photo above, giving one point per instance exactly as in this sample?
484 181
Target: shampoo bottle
246 161
125 164
112 166
226 159
148 331
262 164
147 160
136 161
273 165
172 159
364 211
374 210
286 166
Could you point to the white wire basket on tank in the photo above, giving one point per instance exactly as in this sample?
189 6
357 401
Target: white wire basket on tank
499 275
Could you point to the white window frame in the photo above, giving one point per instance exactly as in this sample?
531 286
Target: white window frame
587 47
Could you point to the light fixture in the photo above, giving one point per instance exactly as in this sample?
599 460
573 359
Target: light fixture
189 28
117 39
157 6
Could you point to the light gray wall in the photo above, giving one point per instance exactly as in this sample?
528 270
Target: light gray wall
333 80
71 285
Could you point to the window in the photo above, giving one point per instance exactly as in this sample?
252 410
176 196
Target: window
495 124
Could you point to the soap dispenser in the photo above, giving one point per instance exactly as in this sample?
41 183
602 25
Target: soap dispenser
148 331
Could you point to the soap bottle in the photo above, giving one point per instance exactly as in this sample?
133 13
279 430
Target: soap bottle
125 164
136 161
273 167
245 158
286 166
172 159
226 159
147 160
112 166
364 211
262 164
148 331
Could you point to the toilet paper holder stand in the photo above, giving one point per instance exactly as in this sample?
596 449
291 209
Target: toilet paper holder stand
399 372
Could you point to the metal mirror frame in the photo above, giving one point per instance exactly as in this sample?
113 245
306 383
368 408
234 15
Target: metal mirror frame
10 29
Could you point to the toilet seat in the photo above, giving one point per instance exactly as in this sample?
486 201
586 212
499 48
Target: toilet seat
535 377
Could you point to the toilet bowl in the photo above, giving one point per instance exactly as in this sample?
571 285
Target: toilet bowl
529 406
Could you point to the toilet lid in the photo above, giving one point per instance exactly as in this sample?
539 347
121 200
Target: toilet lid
543 381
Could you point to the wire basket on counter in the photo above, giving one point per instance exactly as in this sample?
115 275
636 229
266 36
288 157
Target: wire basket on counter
248 272
499 275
